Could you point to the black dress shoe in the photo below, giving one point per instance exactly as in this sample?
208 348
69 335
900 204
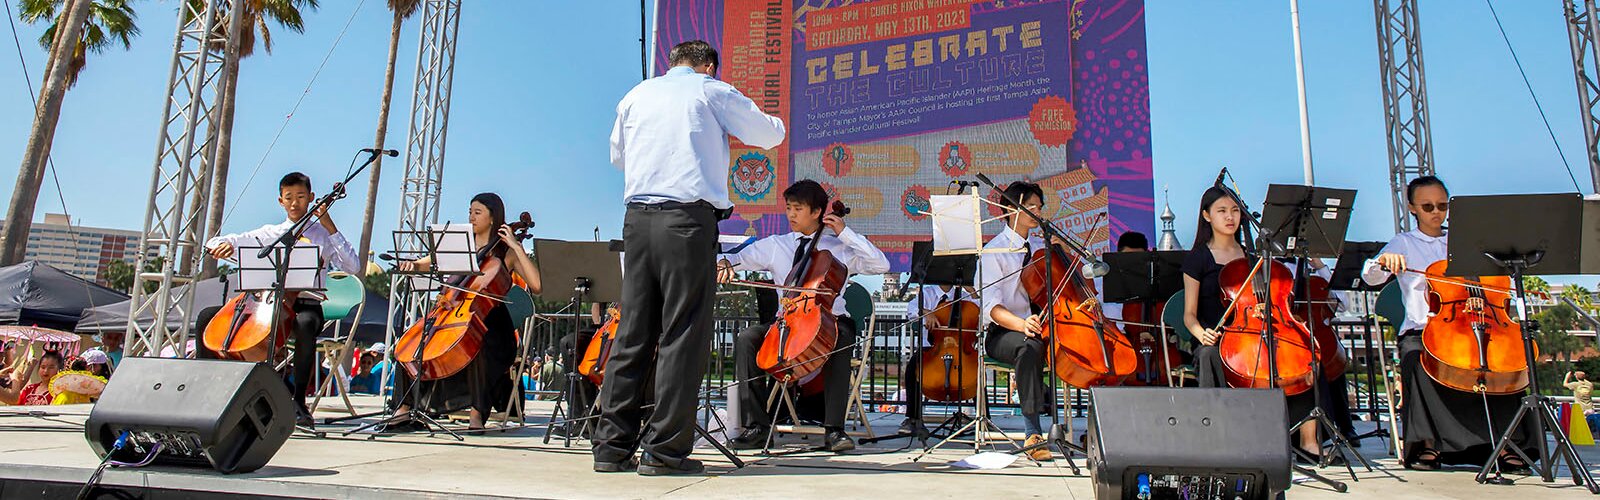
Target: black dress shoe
753 438
652 466
628 465
302 418
837 441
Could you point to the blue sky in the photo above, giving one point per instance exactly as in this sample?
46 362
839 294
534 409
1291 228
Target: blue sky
536 83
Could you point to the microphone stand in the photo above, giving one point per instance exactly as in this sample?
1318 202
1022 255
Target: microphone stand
1267 247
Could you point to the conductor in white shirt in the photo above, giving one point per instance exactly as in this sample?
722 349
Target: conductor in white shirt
671 141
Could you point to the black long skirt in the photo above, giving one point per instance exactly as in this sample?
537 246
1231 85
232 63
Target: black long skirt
1453 421
484 385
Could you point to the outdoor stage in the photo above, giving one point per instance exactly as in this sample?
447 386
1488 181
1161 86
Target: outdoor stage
46 457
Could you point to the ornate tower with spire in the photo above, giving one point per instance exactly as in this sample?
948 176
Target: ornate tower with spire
1169 236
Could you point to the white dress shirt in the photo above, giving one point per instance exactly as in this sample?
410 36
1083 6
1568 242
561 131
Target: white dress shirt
775 255
336 252
1001 283
671 137
930 297
1420 251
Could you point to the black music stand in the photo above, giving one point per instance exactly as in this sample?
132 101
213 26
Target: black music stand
956 271
595 272
1146 278
1347 278
1309 222
1494 239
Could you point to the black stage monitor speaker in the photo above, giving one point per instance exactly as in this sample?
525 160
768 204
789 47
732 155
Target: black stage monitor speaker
228 415
1190 443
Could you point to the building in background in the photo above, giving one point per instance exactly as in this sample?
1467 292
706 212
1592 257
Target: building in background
80 251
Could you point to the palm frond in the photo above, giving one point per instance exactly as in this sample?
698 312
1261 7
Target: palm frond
404 8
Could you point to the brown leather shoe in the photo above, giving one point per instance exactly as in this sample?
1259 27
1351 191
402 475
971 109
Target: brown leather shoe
1041 453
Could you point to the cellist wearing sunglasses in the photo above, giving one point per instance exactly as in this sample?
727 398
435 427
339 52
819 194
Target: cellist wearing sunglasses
1441 425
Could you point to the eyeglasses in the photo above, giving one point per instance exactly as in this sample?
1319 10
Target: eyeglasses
1429 207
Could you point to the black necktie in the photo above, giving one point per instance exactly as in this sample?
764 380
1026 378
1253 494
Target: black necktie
799 254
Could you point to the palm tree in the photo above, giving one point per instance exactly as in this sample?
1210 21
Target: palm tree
1535 284
77 28
1580 296
402 9
110 22
285 13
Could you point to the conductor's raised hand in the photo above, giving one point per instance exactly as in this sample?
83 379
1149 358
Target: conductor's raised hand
725 272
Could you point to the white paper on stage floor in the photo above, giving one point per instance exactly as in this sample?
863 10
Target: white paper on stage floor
303 271
956 222
989 460
718 427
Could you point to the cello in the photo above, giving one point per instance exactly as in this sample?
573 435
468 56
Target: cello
1330 351
1471 344
1155 362
593 364
1087 351
449 336
803 337
950 363
251 326
1244 347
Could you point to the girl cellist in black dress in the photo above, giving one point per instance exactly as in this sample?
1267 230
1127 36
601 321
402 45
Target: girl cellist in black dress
1440 425
1218 241
486 383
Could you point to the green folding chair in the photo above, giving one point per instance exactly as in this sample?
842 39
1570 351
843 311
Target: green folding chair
345 295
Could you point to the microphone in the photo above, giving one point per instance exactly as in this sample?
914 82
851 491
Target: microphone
386 152
1095 269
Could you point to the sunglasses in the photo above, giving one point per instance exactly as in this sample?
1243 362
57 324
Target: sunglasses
1429 207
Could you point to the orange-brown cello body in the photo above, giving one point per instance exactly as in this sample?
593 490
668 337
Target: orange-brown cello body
1453 353
1155 363
1245 354
1080 357
595 355
950 363
244 328
1329 349
449 337
798 344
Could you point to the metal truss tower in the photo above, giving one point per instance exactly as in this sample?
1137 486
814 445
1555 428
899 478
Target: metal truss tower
175 219
430 117
1582 28
1405 100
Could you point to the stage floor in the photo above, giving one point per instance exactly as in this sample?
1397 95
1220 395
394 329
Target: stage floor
42 455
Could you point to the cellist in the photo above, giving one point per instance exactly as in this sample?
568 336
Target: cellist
487 379
295 196
1218 241
805 205
1013 334
1440 425
930 297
